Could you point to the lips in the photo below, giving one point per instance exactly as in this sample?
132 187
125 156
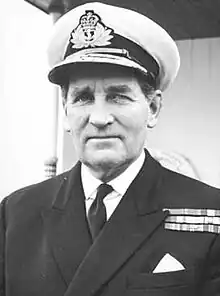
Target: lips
102 137
108 137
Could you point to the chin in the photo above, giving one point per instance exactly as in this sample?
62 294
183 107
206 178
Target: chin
102 158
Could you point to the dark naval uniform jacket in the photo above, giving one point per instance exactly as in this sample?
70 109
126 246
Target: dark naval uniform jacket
46 246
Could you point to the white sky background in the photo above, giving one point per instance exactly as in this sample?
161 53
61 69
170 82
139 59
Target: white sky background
25 95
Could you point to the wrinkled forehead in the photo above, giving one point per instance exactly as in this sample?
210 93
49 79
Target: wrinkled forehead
103 76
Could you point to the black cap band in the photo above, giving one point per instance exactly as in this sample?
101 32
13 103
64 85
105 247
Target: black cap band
129 49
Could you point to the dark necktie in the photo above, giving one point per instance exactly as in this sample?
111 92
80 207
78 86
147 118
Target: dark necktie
97 211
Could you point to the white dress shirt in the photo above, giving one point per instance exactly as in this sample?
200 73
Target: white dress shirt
119 184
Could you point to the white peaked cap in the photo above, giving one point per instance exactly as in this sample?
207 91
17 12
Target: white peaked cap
121 36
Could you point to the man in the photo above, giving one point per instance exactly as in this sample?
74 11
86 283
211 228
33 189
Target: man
118 223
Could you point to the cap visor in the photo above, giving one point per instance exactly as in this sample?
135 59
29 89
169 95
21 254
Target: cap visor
60 72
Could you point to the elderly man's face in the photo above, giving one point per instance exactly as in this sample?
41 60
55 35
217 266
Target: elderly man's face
108 115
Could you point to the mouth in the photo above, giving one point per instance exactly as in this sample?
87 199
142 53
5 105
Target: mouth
102 138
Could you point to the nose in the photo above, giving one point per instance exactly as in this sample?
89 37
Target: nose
100 114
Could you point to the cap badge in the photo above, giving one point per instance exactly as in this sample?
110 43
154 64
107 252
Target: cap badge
90 32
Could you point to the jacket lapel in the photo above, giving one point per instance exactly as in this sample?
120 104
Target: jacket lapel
135 219
66 225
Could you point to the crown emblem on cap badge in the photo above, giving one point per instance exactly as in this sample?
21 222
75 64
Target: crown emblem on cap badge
90 32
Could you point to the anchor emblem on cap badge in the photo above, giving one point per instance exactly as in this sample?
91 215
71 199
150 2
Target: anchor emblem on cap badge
90 32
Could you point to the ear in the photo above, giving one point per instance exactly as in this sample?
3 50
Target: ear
155 105
66 125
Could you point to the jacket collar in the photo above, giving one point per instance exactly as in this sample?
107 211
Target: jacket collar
137 216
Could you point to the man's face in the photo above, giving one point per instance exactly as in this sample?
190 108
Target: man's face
108 114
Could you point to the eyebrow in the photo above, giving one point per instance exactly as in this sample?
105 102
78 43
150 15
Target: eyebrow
118 88
122 88
79 90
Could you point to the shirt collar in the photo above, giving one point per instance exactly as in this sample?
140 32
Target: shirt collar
120 184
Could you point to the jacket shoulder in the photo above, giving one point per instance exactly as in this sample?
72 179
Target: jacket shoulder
39 194
189 191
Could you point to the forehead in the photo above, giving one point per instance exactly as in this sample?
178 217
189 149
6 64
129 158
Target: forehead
105 75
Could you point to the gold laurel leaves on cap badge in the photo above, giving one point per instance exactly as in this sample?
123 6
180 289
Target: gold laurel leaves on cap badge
90 32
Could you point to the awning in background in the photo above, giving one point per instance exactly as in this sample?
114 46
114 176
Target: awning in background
183 19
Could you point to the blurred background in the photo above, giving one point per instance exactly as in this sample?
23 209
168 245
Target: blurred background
187 137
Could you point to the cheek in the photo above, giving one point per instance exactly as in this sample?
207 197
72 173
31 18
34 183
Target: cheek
76 123
135 121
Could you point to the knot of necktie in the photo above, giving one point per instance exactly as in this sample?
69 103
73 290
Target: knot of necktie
97 211
103 190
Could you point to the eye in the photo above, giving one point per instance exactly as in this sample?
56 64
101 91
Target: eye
119 98
83 98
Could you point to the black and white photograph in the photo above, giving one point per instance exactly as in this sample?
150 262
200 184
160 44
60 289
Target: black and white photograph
110 150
